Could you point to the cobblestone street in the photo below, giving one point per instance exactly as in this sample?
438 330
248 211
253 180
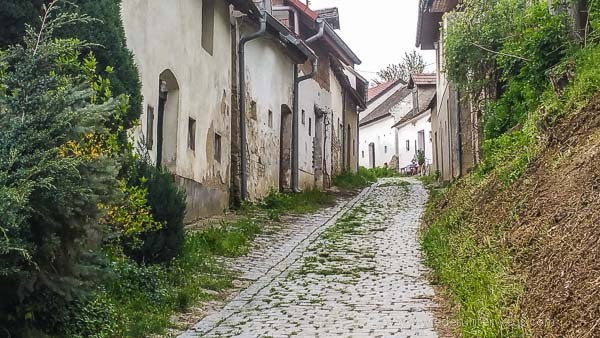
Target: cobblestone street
351 271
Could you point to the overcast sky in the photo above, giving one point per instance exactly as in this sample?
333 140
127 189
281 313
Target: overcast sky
378 31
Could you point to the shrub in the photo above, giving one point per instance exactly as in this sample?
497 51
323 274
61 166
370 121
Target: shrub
230 239
167 203
49 190
349 180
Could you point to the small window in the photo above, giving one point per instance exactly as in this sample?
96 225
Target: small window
208 25
217 147
270 119
309 126
340 133
407 145
353 147
385 149
303 116
362 153
192 134
150 127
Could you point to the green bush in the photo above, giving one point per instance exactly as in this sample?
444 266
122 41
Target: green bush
167 203
50 186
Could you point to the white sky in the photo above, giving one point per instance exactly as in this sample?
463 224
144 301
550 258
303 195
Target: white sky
378 31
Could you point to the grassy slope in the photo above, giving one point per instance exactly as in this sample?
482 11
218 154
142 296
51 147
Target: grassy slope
515 244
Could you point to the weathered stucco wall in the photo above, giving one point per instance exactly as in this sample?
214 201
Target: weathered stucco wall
351 132
409 132
316 108
166 35
269 85
336 130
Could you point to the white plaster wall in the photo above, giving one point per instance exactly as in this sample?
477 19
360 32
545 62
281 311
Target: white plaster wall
372 105
310 94
409 131
269 77
167 35
383 135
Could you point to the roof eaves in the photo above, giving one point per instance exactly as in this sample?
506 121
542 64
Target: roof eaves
394 84
340 43
246 7
299 48
365 122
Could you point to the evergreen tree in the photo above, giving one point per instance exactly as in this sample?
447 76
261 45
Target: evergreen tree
107 38
53 176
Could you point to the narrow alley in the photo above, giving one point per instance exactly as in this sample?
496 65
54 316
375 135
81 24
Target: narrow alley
356 272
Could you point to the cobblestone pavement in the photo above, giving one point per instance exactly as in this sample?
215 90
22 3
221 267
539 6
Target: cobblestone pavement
353 271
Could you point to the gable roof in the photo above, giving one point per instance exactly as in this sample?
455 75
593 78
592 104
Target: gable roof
380 89
384 109
427 99
422 79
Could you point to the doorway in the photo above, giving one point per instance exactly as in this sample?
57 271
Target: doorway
372 155
285 148
168 118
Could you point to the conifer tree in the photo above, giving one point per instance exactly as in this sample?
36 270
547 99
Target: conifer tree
52 175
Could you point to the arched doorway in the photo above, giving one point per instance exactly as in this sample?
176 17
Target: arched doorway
168 117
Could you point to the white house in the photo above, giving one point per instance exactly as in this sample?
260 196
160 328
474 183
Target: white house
388 102
244 97
413 130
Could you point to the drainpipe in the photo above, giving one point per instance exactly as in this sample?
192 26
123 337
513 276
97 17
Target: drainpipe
292 10
242 94
344 130
355 147
295 126
458 131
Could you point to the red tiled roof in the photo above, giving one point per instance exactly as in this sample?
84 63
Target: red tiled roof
380 89
422 79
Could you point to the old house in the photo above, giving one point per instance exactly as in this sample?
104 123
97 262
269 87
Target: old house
265 65
388 102
329 94
455 126
413 130
182 49
225 83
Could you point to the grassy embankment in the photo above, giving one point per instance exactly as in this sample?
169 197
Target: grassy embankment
510 244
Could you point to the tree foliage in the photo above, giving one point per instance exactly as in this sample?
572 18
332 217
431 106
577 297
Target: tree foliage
49 191
500 53
107 42
411 63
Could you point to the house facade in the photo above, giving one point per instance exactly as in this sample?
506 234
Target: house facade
183 112
328 101
413 130
221 86
388 102
456 133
